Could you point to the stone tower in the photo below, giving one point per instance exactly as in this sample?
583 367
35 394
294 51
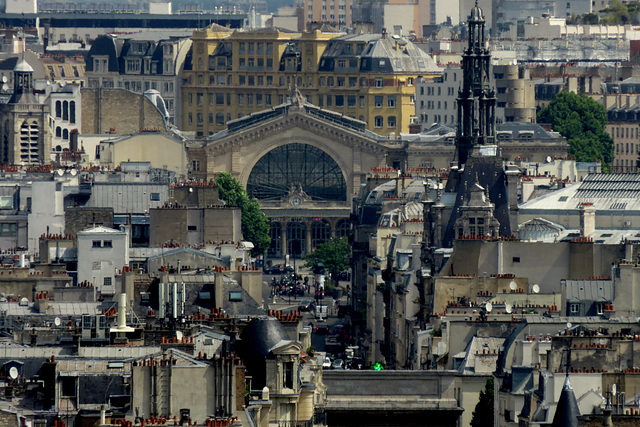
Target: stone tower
476 98
25 138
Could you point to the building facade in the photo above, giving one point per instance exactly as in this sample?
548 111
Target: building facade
139 66
368 77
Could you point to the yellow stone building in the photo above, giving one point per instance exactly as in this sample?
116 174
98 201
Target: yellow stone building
368 77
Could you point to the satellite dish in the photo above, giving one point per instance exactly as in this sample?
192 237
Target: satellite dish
73 172
60 172
549 159
13 373
614 389
569 325
508 308
488 307
23 302
56 321
536 289
62 83
179 336
4 79
513 285
5 87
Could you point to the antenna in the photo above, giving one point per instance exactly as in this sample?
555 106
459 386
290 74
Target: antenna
508 308
73 172
513 285
536 289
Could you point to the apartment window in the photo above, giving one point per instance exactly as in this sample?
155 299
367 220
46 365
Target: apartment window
220 119
391 121
330 81
361 98
200 118
241 99
342 63
323 81
106 281
287 380
260 80
363 82
107 244
219 98
249 99
379 82
190 99
515 259
258 99
210 118
267 99
391 101
574 308
379 100
340 81
329 101
195 165
378 121
269 48
242 48
320 101
242 80
242 63
252 80
269 64
96 244
200 98
251 48
269 80
339 100
155 197
351 101
190 118
353 81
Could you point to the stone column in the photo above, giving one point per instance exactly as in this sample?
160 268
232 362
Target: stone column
283 239
308 237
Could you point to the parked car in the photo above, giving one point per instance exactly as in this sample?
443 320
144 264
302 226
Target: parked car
327 363
306 305
274 269
322 329
337 364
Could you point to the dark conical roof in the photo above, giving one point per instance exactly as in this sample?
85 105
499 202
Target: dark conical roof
258 337
567 411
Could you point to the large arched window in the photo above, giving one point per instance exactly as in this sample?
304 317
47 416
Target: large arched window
343 228
296 238
58 109
293 166
320 233
275 250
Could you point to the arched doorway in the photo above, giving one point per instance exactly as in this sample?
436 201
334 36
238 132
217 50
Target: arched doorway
296 232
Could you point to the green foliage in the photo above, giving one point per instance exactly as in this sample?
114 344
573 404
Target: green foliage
483 414
311 351
582 121
255 224
334 254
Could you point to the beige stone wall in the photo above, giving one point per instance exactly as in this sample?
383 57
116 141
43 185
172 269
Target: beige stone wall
162 151
118 109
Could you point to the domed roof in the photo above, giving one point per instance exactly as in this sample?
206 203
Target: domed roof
476 13
23 66
258 338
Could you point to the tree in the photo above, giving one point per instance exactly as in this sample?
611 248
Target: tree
582 121
483 413
334 254
255 224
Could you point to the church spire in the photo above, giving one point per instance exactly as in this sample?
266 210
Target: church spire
476 98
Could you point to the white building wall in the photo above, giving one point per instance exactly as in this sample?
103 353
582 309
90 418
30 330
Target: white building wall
47 211
22 6
436 100
99 260
403 15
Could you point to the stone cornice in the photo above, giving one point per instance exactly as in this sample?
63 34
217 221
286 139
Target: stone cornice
300 120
